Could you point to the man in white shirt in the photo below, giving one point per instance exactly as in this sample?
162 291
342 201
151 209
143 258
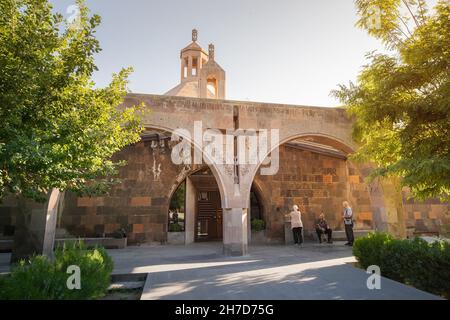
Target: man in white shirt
296 225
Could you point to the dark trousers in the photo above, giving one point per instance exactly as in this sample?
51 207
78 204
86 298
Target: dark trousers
298 235
349 233
327 231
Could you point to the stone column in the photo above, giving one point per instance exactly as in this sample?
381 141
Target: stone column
35 227
189 222
235 239
182 70
249 222
50 225
189 70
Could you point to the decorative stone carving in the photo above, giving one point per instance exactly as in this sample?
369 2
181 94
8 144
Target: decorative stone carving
156 169
228 169
244 170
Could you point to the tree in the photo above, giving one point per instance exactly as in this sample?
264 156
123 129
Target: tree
178 198
57 130
401 101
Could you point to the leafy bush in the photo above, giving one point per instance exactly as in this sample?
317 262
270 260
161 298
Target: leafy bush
43 279
431 265
258 224
368 250
414 262
175 227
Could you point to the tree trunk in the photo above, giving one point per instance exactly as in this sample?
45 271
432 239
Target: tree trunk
35 227
392 192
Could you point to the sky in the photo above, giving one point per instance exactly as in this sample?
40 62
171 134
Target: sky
278 51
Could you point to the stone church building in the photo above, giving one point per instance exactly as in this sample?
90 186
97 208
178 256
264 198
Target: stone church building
159 201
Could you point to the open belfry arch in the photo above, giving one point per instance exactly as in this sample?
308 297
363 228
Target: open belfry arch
310 153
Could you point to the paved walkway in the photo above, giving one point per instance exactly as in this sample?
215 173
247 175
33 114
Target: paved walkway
4 262
200 271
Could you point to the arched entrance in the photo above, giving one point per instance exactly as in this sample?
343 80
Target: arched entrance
195 212
314 174
256 205
257 217
208 209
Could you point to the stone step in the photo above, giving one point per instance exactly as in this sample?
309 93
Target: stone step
6 245
128 277
128 285
340 234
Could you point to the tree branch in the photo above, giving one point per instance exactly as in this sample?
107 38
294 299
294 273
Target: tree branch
405 24
410 11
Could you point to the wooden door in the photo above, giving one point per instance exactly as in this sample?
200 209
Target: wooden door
209 216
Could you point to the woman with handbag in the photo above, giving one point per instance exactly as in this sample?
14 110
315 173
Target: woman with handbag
348 223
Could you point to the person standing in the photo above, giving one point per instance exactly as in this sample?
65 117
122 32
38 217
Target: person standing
297 225
175 216
323 228
348 223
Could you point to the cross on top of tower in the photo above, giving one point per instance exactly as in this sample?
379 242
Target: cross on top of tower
211 51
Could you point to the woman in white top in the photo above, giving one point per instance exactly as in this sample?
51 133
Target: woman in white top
348 223
296 225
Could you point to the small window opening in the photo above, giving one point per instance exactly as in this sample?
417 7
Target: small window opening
185 68
194 67
211 86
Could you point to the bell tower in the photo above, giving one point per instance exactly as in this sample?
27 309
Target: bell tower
200 75
212 78
192 59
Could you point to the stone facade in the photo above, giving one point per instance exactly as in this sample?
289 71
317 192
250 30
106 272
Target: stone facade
139 204
315 182
312 180
428 217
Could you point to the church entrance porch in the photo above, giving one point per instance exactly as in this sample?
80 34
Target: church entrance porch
208 213
196 209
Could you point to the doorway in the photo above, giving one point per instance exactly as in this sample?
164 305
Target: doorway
208 208
209 216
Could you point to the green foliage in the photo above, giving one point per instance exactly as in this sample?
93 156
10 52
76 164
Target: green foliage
175 227
96 267
401 102
258 224
370 248
58 130
42 279
178 199
414 262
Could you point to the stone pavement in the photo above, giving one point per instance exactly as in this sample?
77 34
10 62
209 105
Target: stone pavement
200 271
4 262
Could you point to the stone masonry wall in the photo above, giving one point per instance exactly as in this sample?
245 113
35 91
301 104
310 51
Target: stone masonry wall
428 217
314 182
139 204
